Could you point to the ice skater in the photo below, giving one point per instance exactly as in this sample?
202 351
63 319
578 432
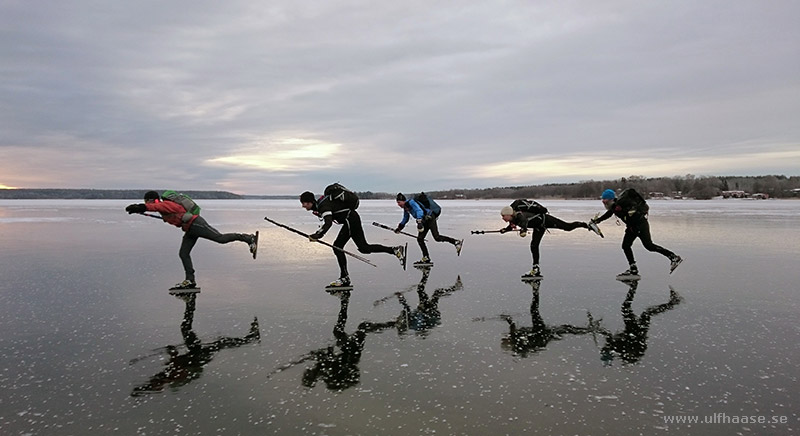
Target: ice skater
633 210
338 205
426 213
528 214
178 211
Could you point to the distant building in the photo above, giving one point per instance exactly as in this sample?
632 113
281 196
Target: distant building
734 194
760 196
656 195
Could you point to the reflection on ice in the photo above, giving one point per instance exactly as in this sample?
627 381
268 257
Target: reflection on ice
337 369
182 368
631 343
426 315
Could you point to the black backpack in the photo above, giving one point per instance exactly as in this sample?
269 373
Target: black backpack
531 206
337 192
428 203
631 200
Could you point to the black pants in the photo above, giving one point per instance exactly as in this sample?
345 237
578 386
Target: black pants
351 229
430 225
201 229
550 222
640 228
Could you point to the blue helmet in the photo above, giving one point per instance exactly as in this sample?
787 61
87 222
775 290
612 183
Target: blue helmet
608 194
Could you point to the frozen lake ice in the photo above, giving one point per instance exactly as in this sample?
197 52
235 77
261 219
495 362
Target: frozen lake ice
92 341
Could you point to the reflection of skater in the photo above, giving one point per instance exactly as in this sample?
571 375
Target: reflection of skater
427 314
339 370
338 204
426 213
529 340
528 214
193 225
183 368
632 209
631 343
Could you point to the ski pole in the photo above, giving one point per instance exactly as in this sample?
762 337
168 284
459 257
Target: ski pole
383 226
151 215
363 259
480 232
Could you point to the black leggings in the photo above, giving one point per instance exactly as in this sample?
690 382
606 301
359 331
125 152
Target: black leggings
551 222
640 228
430 224
201 229
351 229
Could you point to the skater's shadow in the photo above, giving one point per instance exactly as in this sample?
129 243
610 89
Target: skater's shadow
426 315
630 344
181 366
525 341
337 365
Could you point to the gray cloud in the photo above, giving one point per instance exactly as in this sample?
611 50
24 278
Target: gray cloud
414 95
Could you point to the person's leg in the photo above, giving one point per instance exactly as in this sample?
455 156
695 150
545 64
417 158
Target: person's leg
538 234
631 233
341 258
421 242
185 254
434 228
357 234
552 222
647 240
202 229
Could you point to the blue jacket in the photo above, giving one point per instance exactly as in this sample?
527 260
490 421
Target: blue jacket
414 209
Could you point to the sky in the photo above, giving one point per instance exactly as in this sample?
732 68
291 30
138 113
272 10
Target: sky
279 97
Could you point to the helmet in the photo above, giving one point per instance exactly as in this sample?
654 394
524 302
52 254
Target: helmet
151 195
508 210
307 197
608 194
400 197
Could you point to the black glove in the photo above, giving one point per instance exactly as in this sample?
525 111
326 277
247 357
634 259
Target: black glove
503 230
136 208
314 236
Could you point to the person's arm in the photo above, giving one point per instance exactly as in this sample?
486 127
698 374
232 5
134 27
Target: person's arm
604 216
403 222
327 219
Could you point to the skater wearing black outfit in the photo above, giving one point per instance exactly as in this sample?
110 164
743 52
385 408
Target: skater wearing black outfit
632 209
528 214
338 205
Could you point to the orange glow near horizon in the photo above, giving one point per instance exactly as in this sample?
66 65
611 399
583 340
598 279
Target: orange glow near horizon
2 186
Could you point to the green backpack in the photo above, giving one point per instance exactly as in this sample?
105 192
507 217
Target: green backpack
184 200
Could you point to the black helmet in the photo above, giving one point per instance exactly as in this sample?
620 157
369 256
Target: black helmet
307 197
151 195
400 197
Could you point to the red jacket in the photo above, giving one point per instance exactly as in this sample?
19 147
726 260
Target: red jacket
171 212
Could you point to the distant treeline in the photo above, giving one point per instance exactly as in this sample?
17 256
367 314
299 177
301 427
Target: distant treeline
102 194
689 186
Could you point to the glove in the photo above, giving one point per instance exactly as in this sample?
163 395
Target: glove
420 226
523 233
314 236
398 229
503 230
136 208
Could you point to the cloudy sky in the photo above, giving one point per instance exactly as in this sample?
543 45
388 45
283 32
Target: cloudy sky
280 96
